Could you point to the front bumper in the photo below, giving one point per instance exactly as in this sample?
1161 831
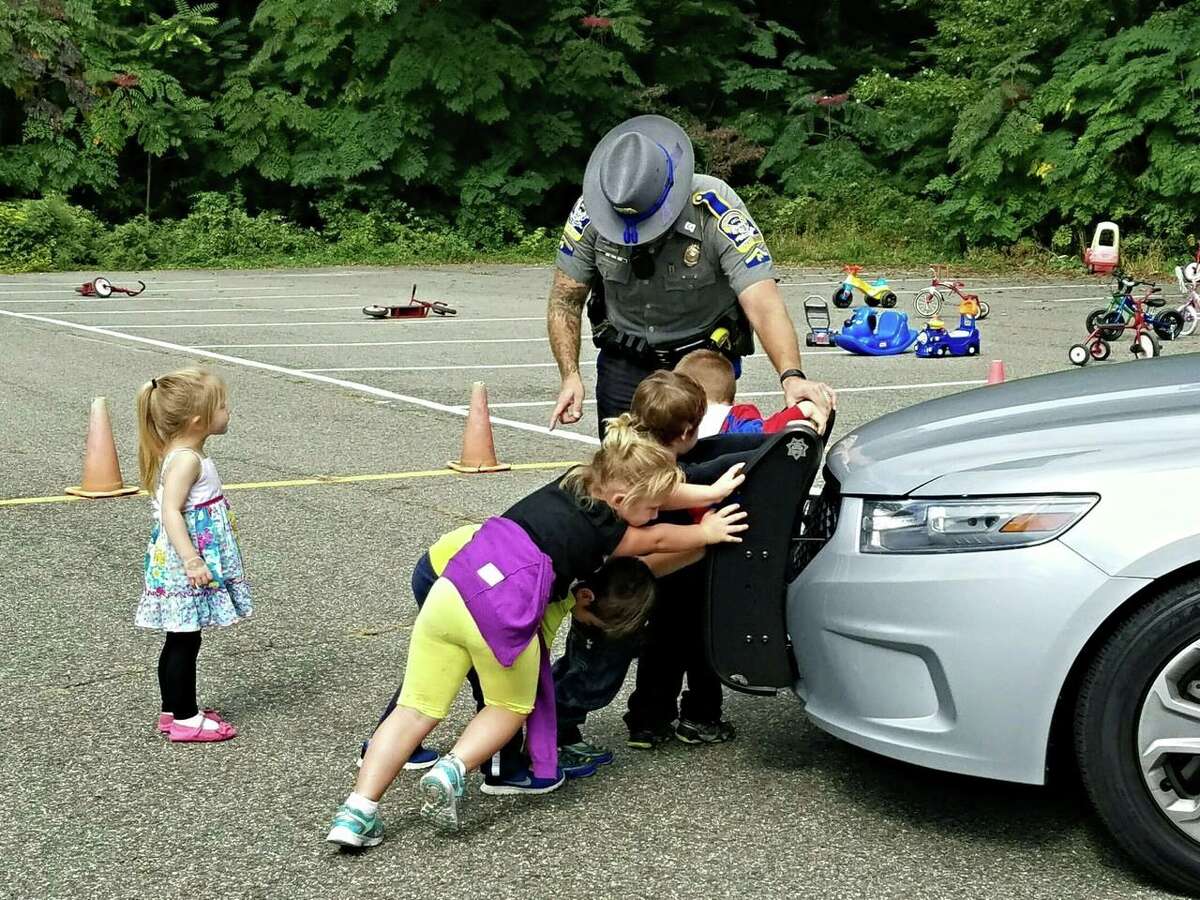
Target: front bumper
952 661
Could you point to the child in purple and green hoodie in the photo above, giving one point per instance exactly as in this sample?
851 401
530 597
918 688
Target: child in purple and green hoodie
486 611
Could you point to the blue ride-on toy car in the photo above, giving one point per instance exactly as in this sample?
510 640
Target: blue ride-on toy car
872 332
935 340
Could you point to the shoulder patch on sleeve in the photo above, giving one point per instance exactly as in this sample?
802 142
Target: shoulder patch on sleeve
577 221
737 226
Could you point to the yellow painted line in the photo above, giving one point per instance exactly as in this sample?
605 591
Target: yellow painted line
308 482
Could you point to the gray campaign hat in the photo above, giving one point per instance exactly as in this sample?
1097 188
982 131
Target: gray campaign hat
639 179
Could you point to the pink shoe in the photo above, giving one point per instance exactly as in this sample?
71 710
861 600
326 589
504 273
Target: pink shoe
165 719
199 734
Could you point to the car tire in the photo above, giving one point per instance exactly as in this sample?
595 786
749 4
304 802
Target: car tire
1154 652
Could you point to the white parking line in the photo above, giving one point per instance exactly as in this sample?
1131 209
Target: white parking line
358 323
541 365
117 300
1066 299
537 365
297 373
48 288
536 340
156 312
841 390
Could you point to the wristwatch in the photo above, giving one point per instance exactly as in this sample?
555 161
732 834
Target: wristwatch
791 373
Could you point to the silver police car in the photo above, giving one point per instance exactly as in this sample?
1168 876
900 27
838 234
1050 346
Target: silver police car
990 575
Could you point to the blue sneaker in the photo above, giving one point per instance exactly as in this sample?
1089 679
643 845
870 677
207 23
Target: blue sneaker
440 788
523 782
422 757
582 758
354 828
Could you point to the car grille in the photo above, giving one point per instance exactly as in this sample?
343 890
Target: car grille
817 524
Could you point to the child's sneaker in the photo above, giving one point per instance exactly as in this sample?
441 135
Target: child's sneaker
649 738
581 759
422 757
354 828
704 732
524 782
440 788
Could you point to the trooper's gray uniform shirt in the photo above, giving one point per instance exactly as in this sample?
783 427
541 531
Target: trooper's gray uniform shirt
712 253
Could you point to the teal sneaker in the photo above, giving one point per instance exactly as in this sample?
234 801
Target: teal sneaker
440 788
355 828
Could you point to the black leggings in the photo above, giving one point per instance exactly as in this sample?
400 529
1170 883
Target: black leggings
177 673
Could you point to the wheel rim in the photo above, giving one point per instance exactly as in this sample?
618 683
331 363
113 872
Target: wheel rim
1145 346
1168 740
928 303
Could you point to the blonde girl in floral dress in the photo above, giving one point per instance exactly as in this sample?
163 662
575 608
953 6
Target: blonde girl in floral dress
194 576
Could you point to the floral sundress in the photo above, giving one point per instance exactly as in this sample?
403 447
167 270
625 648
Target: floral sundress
168 602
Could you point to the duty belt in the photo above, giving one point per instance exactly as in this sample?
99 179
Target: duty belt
607 337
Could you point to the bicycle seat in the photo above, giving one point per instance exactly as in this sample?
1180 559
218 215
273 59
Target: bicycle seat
1156 301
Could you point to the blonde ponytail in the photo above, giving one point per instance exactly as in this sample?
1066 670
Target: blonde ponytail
166 407
150 442
630 459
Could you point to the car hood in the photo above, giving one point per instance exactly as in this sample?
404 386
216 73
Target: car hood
1060 431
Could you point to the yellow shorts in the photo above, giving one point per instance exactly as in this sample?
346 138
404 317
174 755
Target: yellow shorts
446 644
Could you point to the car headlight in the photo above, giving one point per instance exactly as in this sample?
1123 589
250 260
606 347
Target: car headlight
971 524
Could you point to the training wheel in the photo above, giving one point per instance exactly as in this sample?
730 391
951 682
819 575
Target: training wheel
1078 354
375 312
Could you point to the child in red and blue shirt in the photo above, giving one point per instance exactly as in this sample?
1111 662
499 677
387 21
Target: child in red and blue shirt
714 373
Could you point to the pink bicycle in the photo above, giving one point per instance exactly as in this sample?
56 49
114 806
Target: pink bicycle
1189 285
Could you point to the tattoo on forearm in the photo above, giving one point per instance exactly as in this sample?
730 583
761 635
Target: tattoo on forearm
563 318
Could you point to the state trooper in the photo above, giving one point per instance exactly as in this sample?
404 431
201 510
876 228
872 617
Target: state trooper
673 262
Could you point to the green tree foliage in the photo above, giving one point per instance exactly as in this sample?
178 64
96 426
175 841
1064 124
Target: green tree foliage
953 122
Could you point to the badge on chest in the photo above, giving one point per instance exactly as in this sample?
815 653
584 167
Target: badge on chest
691 255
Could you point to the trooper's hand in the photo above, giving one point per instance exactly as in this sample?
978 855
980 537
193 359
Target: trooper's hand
569 408
822 396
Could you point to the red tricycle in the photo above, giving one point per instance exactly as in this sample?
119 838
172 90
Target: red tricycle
929 301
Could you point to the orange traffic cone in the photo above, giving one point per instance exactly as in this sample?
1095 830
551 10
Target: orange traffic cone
101 471
995 372
478 453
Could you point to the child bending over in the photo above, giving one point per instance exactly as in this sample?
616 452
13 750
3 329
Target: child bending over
487 609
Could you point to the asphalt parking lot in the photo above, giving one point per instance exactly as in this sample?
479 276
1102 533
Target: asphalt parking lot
99 806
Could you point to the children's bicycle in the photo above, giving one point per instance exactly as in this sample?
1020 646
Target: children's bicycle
929 301
1167 324
1189 285
1145 343
876 293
